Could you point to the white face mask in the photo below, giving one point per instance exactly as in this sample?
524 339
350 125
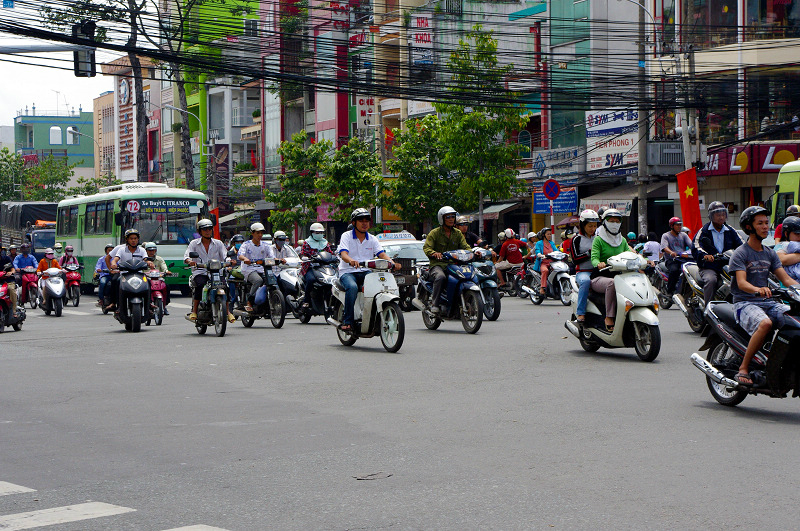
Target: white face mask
318 237
613 227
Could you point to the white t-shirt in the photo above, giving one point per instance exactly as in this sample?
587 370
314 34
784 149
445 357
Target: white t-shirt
254 252
358 250
651 250
124 253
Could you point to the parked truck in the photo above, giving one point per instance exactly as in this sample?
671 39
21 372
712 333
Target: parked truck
33 222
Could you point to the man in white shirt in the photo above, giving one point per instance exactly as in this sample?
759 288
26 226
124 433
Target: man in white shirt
122 253
209 249
280 248
249 253
356 246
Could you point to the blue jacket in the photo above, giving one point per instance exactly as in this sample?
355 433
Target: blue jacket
539 249
704 244
22 261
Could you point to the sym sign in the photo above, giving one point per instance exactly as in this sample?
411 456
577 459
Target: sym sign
751 158
611 137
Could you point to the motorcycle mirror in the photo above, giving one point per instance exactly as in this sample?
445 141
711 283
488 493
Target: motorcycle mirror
231 254
194 254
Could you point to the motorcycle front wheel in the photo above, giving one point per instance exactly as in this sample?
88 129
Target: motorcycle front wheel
220 317
277 308
472 312
136 317
33 297
158 313
722 394
75 295
393 327
2 321
58 306
491 306
345 338
648 341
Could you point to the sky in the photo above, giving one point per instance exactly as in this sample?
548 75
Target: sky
30 84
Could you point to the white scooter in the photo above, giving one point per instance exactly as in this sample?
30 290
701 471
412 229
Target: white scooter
52 292
637 308
377 309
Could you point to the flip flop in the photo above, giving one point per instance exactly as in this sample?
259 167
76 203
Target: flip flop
610 329
231 318
741 375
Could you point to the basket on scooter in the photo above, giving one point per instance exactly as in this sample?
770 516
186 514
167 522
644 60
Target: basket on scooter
407 274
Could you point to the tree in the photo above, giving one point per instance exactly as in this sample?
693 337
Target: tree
12 172
423 184
351 178
477 139
47 180
298 200
92 185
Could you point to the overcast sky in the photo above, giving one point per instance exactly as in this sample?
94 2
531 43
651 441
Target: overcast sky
22 85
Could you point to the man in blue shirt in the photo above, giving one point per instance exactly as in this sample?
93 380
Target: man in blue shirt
103 275
715 237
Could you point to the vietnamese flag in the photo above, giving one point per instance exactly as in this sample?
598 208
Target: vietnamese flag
690 200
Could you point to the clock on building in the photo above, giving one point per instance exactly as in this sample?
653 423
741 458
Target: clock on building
124 92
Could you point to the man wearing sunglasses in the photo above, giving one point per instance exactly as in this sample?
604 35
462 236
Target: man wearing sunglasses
357 246
441 239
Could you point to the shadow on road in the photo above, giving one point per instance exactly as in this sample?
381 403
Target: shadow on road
752 413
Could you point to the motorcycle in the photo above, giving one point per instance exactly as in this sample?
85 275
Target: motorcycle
158 295
269 302
636 322
29 289
558 280
690 298
289 284
53 292
73 283
213 307
406 279
376 311
775 368
7 317
486 275
658 277
134 294
325 274
460 298
511 287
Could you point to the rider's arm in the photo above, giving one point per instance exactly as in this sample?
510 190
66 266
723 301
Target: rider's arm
427 247
344 256
596 250
784 277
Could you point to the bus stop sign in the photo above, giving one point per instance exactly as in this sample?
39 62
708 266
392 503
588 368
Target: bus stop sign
551 189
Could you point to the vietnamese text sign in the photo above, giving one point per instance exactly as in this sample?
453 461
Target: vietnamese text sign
567 200
170 206
551 163
365 109
611 141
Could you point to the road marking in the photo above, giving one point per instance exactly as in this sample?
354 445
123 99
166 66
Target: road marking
75 312
179 305
9 488
60 515
197 528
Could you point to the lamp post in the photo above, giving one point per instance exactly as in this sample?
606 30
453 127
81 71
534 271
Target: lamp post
74 131
204 143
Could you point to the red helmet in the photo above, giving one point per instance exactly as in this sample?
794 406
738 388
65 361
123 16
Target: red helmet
673 221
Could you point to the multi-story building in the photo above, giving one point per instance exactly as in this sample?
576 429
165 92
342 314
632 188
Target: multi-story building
104 134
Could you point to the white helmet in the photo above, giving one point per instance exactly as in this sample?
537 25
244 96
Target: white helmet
279 234
609 213
501 236
316 227
445 210
256 227
531 236
589 215
509 233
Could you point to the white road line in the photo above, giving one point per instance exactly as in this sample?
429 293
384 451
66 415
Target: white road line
179 305
9 488
75 312
197 528
60 515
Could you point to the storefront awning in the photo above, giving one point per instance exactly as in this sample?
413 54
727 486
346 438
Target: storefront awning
622 197
234 216
493 211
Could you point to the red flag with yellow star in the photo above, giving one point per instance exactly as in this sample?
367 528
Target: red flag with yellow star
690 200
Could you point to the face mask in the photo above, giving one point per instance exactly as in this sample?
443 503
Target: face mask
49 256
69 253
318 237
237 246
278 243
613 227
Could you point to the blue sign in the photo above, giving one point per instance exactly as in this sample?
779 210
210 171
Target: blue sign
8 3
567 200
551 189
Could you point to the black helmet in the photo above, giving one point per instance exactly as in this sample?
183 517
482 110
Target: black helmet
748 215
790 224
793 210
237 238
716 206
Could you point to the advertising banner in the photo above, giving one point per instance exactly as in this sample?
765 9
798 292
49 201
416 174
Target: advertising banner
567 200
611 141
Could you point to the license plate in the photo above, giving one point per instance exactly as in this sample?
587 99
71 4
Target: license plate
401 280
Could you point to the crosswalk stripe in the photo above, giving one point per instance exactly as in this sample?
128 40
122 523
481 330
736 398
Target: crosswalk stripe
75 312
197 528
179 305
9 488
60 515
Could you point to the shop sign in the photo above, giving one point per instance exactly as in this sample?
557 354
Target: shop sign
560 162
567 200
420 40
420 107
340 18
752 158
365 109
625 206
611 138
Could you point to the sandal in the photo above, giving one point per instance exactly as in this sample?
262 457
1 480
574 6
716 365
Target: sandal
740 376
249 308
610 329
231 318
191 317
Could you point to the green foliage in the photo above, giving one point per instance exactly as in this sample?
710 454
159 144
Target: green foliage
47 180
12 171
423 184
351 178
257 113
294 16
242 167
298 200
477 139
92 185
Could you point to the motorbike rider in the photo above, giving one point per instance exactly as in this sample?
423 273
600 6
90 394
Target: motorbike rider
674 243
251 251
314 244
581 253
46 263
608 242
21 261
158 264
4 258
788 248
209 248
462 222
501 237
68 257
280 249
7 277
510 255
751 265
544 246
236 242
103 276
792 210
357 246
59 250
121 253
441 239
714 237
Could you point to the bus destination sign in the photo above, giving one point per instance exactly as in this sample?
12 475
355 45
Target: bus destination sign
170 206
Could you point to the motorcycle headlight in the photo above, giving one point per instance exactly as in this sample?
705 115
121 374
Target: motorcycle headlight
135 282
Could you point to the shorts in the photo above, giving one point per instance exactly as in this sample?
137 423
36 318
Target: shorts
750 314
505 264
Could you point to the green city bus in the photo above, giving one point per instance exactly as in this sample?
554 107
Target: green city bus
164 215
787 191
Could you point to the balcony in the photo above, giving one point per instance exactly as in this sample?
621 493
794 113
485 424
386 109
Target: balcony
216 134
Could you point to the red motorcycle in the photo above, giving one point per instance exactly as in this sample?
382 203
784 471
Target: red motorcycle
158 295
7 317
73 283
29 291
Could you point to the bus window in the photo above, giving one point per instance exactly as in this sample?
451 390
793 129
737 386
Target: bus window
90 221
782 202
72 229
109 217
101 218
63 221
167 221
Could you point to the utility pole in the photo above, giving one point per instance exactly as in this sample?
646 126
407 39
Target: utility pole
687 147
643 124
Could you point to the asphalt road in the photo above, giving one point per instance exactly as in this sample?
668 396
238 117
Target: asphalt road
513 428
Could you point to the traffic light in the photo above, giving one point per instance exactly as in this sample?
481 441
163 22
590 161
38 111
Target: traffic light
83 60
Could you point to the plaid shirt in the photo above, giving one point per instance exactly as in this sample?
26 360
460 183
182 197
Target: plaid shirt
309 252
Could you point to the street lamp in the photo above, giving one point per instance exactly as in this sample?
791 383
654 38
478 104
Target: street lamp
74 131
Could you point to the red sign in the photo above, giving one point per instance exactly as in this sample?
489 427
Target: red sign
133 207
551 189
752 158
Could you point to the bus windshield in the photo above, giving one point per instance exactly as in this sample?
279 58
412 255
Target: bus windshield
165 221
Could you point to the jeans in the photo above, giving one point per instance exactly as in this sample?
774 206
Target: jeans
232 292
198 282
351 283
308 283
584 284
675 266
103 286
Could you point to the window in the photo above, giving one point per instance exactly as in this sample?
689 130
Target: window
73 139
166 121
90 221
166 78
67 222
109 225
55 136
251 28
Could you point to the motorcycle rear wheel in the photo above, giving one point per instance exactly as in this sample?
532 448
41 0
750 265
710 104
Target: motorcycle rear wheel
248 320
345 338
277 308
431 322
491 308
648 341
220 318
75 295
565 292
33 297
694 324
472 313
588 345
392 327
723 395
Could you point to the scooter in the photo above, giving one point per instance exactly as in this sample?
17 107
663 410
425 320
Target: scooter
213 307
73 283
269 302
53 292
29 289
158 295
512 286
289 284
659 277
636 323
325 274
690 298
775 368
558 280
486 274
406 279
133 299
7 317
376 311
460 298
